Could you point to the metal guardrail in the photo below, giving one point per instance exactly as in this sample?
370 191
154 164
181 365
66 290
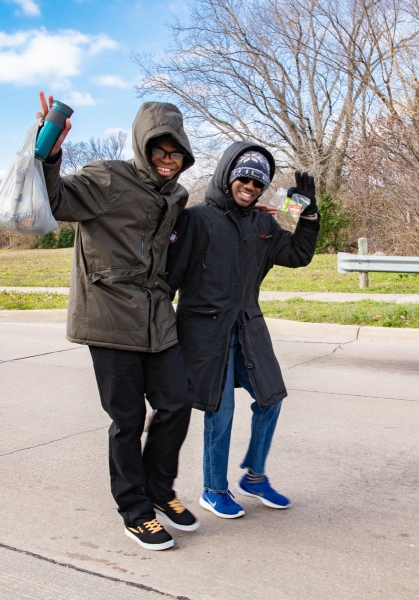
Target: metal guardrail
363 263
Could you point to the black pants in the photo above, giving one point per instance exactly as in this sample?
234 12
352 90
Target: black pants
123 377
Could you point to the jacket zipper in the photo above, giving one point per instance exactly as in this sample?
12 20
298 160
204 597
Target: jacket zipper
144 232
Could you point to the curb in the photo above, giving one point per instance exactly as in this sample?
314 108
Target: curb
297 329
57 315
388 334
340 333
277 327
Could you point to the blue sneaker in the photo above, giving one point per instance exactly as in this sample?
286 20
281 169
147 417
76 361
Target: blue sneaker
264 492
221 504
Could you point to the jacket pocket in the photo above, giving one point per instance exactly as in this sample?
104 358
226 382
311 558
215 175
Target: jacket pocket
164 316
144 233
206 256
116 303
198 329
114 276
201 311
253 311
256 330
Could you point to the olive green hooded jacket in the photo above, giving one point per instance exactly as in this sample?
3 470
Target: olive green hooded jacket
125 213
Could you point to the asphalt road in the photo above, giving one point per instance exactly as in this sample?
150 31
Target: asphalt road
346 452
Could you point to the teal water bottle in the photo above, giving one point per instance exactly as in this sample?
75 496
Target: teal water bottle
53 126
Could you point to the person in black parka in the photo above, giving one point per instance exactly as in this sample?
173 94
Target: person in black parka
219 253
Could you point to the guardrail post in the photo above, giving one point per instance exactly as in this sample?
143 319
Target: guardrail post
363 249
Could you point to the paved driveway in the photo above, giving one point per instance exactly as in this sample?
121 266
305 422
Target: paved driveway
346 452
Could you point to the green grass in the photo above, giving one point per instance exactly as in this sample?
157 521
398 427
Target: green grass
321 275
35 268
364 312
51 268
27 301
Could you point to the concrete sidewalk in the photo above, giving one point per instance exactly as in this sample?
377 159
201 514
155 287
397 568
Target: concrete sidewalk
319 296
345 452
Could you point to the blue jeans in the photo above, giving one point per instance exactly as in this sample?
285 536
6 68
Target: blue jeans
217 428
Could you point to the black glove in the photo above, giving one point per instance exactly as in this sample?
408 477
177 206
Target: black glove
305 187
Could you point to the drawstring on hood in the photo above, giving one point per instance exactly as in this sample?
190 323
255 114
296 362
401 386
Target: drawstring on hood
218 191
155 119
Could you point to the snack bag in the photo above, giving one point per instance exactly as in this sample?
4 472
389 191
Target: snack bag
24 204
292 206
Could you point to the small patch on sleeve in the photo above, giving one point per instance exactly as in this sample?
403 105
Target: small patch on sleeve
173 237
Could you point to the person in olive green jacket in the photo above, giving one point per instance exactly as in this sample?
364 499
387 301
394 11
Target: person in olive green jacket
120 307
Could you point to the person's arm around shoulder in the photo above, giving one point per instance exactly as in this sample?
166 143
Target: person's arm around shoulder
79 197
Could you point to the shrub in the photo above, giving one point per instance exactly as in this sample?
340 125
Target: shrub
65 237
334 225
47 241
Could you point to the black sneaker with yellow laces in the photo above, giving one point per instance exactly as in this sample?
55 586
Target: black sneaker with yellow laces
176 515
150 534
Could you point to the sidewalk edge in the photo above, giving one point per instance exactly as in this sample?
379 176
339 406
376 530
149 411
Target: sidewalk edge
340 333
277 327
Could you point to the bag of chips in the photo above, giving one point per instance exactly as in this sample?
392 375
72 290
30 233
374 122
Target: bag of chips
292 206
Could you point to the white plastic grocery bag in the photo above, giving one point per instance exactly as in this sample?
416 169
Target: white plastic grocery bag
24 204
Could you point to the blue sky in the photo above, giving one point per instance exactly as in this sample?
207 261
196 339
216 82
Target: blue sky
81 52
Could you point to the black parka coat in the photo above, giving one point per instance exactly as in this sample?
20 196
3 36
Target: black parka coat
218 257
125 212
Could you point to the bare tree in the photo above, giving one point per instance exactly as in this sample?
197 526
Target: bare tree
380 188
78 154
110 148
290 74
259 71
75 156
387 64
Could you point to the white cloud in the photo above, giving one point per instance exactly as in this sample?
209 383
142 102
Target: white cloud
75 98
29 7
112 81
40 57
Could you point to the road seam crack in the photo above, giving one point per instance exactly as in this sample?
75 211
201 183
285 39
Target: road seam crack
140 586
351 395
339 347
2 362
53 441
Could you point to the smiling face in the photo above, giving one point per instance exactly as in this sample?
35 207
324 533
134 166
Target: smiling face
245 193
166 167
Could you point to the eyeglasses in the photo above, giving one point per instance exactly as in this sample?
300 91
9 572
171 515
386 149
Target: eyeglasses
258 184
160 153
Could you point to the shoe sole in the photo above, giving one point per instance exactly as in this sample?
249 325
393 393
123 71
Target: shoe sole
263 500
163 546
208 506
192 527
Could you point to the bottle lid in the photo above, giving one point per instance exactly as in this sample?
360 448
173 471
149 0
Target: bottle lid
57 105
